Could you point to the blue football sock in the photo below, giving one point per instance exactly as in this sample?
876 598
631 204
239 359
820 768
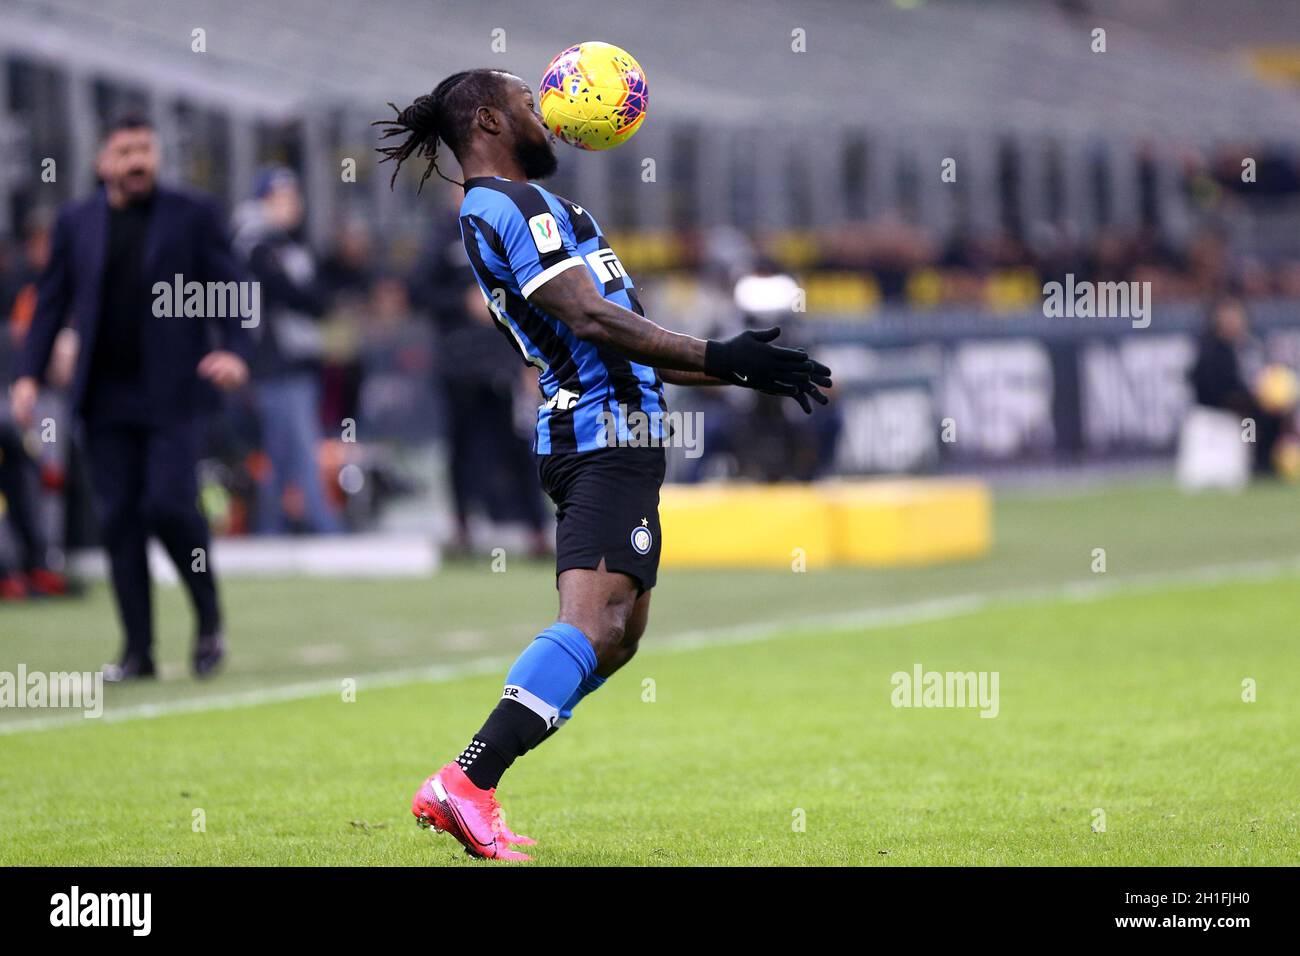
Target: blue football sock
551 671
588 686
545 681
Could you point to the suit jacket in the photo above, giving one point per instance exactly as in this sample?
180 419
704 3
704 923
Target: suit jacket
185 236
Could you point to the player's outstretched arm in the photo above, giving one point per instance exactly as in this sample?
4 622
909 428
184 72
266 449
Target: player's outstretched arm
748 359
572 298
676 377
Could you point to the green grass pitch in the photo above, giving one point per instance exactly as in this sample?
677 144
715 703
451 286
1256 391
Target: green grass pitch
755 726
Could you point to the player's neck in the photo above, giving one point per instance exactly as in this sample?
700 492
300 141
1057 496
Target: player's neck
507 167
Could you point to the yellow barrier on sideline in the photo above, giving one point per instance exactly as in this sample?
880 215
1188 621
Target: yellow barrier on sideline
867 523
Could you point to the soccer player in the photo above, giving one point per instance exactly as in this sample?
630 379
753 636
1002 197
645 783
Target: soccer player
560 295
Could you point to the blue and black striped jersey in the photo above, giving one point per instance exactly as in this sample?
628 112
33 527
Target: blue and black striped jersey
518 235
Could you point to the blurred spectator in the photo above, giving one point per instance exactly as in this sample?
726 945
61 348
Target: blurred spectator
348 272
32 575
10 276
286 364
397 367
492 466
18 286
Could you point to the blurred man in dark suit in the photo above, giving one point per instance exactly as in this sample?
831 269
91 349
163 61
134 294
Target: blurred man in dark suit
145 377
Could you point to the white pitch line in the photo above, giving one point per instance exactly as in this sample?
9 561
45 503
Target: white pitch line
436 674
957 605
915 612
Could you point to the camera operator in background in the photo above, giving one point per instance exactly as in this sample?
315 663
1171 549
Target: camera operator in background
747 434
1227 375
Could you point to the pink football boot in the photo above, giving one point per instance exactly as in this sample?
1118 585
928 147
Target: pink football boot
448 801
503 831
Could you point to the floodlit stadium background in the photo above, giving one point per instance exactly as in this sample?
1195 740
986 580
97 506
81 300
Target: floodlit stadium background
924 296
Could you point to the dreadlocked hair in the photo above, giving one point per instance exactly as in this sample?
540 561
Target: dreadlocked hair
446 114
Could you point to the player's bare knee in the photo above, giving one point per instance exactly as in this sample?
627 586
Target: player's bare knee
629 649
613 656
610 637
634 630
614 641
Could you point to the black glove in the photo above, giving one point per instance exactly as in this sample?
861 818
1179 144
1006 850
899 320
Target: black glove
748 360
800 393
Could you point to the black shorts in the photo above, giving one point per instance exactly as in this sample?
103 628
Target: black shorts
607 506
